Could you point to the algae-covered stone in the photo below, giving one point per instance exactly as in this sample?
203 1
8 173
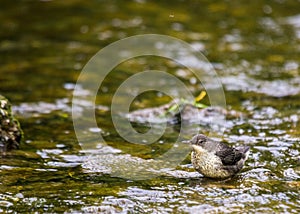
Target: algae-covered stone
10 130
176 112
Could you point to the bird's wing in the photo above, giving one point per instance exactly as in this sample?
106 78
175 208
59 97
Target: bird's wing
229 156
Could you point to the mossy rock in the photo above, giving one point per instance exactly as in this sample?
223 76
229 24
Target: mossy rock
10 130
182 113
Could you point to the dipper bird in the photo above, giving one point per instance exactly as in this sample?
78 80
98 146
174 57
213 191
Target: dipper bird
215 159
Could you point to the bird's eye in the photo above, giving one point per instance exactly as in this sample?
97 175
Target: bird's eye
201 141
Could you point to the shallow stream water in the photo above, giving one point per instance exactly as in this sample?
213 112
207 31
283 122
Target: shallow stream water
255 50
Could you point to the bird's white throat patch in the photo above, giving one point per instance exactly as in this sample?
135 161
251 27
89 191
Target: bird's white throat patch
199 149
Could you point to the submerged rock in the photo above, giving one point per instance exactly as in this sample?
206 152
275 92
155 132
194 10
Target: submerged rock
177 112
10 130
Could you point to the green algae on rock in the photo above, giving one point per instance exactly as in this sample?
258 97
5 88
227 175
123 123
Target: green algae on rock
10 130
178 111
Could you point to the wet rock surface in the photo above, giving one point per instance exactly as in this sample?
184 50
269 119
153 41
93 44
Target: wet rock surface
10 130
176 112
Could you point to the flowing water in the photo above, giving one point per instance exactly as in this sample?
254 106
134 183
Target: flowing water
254 48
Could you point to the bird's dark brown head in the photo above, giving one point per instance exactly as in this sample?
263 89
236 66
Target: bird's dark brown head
199 140
206 143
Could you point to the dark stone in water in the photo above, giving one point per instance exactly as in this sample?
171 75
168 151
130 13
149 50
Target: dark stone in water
10 130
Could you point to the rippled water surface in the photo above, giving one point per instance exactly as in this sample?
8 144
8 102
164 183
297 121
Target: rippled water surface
254 47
